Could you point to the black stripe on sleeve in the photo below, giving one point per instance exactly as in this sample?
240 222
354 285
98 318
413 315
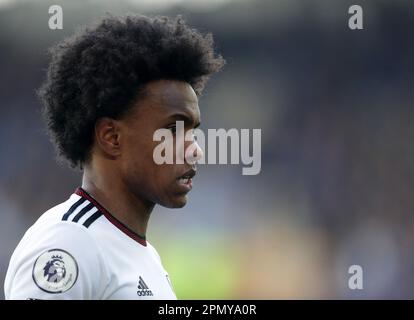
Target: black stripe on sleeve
73 208
82 212
92 219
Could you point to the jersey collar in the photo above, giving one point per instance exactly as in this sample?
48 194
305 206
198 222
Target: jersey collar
140 239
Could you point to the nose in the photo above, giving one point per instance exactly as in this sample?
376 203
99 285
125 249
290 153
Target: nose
193 153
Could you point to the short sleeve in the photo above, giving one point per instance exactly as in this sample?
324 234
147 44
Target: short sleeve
61 261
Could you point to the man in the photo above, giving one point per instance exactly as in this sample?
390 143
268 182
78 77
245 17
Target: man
108 90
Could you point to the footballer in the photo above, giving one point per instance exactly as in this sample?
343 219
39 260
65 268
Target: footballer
108 89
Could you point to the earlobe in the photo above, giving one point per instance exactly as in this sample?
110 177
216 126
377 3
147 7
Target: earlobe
108 136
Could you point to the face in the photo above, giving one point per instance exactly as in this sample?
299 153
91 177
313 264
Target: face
59 267
164 102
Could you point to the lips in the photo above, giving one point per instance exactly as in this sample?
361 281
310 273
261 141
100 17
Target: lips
185 181
187 176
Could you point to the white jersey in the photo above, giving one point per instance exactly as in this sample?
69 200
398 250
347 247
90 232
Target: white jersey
78 250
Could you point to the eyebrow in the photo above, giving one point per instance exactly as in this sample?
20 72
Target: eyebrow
187 119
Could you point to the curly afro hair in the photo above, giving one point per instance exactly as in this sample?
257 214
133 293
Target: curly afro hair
100 72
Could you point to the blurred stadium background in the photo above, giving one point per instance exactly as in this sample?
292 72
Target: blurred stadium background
336 111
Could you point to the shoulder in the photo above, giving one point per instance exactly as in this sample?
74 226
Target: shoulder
66 224
76 209
56 243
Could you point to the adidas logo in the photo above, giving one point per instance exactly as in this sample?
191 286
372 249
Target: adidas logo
143 289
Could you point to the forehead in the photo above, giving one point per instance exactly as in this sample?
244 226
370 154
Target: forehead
166 98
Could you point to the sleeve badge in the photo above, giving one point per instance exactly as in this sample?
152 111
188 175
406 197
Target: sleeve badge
55 271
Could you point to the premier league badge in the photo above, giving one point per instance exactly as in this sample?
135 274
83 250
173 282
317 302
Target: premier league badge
55 271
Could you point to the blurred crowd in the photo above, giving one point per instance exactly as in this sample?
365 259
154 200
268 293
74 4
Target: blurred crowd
335 109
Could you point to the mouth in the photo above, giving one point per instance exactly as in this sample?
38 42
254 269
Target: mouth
186 180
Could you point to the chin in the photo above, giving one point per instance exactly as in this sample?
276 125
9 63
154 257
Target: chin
176 202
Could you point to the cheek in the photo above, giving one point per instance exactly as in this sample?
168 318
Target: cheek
140 168
134 161
137 149
160 178
143 174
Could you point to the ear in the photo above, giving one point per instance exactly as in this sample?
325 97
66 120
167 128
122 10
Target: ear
108 137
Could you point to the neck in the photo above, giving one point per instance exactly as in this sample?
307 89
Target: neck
109 190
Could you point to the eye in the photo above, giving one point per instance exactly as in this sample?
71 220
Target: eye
173 129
